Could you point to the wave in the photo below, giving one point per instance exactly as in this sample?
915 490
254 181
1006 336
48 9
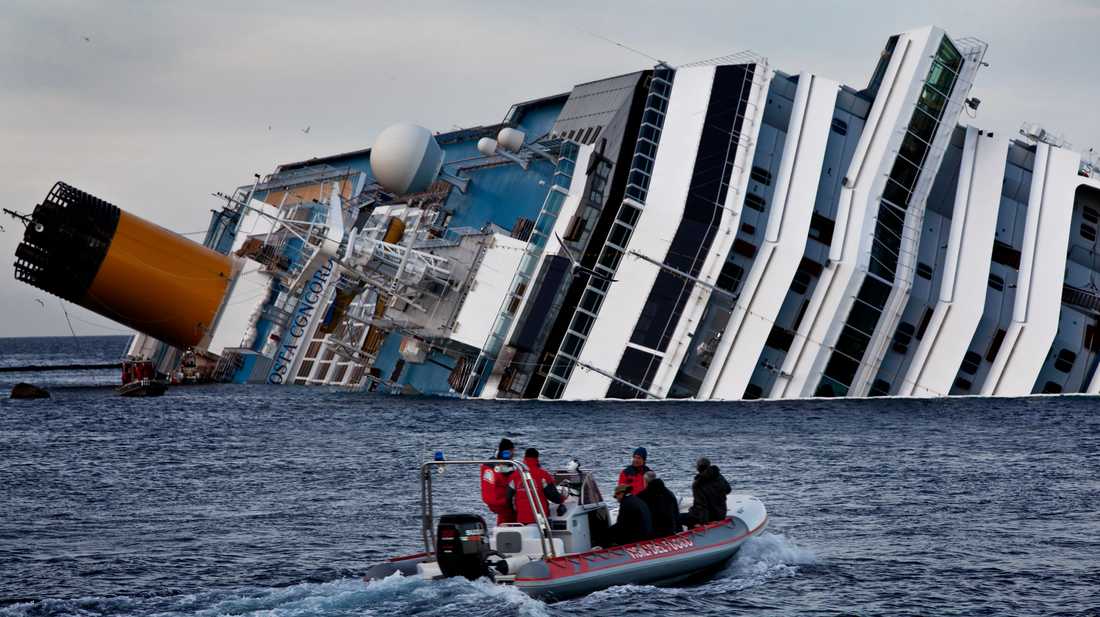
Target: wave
761 559
395 595
765 557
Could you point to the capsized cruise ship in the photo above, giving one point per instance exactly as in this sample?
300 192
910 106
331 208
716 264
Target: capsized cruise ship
716 230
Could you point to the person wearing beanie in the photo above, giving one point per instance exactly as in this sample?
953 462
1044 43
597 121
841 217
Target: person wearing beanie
494 483
708 491
633 474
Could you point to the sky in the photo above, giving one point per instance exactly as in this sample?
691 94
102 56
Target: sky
153 106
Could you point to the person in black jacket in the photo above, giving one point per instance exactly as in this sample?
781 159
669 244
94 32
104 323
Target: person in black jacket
664 508
708 491
634 523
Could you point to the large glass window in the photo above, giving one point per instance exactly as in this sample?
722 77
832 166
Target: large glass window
932 102
866 311
949 55
941 78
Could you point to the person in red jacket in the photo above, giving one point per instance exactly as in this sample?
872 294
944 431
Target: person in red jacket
634 473
494 484
543 481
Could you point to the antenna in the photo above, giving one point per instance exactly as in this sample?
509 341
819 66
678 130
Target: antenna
626 47
67 320
26 218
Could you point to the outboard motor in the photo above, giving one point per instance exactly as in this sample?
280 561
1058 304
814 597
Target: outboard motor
462 545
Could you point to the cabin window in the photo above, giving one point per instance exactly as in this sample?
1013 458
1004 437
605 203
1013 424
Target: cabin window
749 229
995 346
801 314
903 336
755 202
1052 388
801 282
821 228
575 229
742 247
753 392
1006 255
780 338
963 384
996 282
971 362
924 271
1092 341
761 175
840 127
730 277
880 388
924 321
1064 361
1088 232
305 369
1090 215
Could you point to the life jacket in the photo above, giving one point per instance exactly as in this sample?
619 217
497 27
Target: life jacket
494 488
540 477
634 478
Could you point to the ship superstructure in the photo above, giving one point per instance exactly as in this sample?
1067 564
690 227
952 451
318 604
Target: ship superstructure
716 230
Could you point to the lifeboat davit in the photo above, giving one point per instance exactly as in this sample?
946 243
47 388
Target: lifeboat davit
560 556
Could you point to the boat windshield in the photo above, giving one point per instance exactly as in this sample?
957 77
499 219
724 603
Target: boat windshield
580 484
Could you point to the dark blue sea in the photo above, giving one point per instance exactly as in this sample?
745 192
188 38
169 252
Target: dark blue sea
242 500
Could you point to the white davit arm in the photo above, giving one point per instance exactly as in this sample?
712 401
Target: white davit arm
330 244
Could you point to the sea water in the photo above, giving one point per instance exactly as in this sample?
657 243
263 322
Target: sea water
254 500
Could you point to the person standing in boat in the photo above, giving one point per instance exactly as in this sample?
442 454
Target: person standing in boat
634 522
664 508
494 484
708 491
542 480
633 475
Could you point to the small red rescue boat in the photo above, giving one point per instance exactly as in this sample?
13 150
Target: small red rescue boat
139 378
558 557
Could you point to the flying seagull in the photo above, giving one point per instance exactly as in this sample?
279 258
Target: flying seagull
306 130
577 267
87 40
40 301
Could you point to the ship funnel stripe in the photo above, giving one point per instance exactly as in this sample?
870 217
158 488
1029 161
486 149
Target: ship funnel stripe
124 268
66 242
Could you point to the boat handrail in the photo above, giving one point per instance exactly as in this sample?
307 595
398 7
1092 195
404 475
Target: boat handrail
542 519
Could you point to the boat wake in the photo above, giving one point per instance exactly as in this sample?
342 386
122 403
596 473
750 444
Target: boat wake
766 557
395 595
761 559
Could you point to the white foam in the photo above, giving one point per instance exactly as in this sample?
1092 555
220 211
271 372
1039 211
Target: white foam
765 557
394 595
761 559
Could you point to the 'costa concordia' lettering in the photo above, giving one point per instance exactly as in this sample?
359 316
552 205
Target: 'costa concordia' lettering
715 230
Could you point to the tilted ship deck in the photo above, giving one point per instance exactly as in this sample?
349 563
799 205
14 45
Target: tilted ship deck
717 230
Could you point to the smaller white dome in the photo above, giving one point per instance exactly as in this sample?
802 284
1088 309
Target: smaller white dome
405 158
487 146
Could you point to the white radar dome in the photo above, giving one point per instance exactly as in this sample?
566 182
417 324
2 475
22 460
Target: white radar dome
405 158
487 146
511 139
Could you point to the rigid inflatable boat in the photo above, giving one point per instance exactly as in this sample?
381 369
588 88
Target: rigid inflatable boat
560 556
